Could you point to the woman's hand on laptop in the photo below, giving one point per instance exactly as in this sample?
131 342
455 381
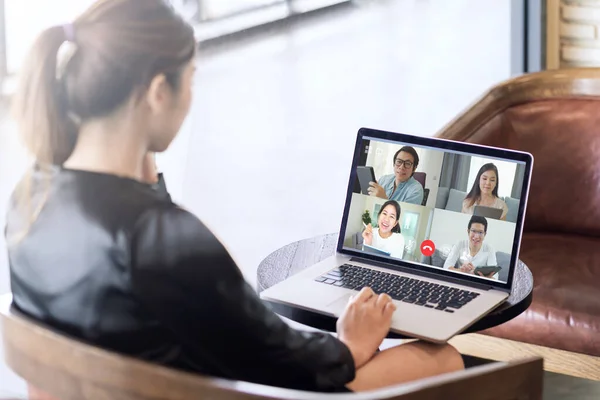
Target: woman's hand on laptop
365 323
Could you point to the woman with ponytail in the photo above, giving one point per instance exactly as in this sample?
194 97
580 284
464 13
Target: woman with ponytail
98 250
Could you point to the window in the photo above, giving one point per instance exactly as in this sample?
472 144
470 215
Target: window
25 19
219 8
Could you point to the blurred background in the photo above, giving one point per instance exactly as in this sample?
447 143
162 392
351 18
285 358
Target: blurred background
282 88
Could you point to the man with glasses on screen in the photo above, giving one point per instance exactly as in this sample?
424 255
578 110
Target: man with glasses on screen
400 186
467 255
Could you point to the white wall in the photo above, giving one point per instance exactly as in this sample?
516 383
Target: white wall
381 158
173 162
449 227
23 25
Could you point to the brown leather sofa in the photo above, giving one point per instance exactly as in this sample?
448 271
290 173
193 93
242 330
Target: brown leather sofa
554 115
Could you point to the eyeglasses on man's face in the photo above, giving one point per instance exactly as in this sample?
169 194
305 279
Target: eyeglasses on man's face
476 232
406 163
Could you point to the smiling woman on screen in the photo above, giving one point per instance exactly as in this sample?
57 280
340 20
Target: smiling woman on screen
484 191
387 236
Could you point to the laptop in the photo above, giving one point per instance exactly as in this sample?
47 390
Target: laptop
433 303
488 212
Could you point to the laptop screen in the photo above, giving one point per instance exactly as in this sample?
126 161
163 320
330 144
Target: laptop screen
436 205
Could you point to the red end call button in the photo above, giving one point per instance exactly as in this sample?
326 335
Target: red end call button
427 248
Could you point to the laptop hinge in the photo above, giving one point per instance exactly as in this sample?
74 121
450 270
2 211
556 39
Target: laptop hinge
412 271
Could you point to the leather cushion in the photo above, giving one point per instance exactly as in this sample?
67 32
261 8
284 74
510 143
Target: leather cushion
563 137
565 312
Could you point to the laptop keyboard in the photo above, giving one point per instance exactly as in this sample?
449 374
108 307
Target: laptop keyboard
401 288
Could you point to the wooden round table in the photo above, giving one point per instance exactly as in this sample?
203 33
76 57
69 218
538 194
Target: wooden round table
297 256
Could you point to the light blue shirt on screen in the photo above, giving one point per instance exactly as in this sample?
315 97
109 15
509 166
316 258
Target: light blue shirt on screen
410 191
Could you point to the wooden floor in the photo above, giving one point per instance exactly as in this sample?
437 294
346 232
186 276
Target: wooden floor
496 349
558 361
567 376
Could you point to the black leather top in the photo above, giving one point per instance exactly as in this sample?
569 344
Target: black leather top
116 263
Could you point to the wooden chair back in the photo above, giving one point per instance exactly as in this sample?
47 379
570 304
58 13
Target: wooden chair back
61 368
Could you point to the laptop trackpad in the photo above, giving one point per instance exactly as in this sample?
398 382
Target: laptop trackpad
338 306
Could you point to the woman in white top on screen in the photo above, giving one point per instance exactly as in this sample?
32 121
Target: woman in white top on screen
485 191
469 254
387 236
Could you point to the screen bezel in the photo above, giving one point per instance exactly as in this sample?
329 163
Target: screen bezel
443 145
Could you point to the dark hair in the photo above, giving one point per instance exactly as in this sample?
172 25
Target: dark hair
119 46
410 150
475 192
477 219
395 229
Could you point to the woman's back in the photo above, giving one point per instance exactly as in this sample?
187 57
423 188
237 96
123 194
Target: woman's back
114 262
72 268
